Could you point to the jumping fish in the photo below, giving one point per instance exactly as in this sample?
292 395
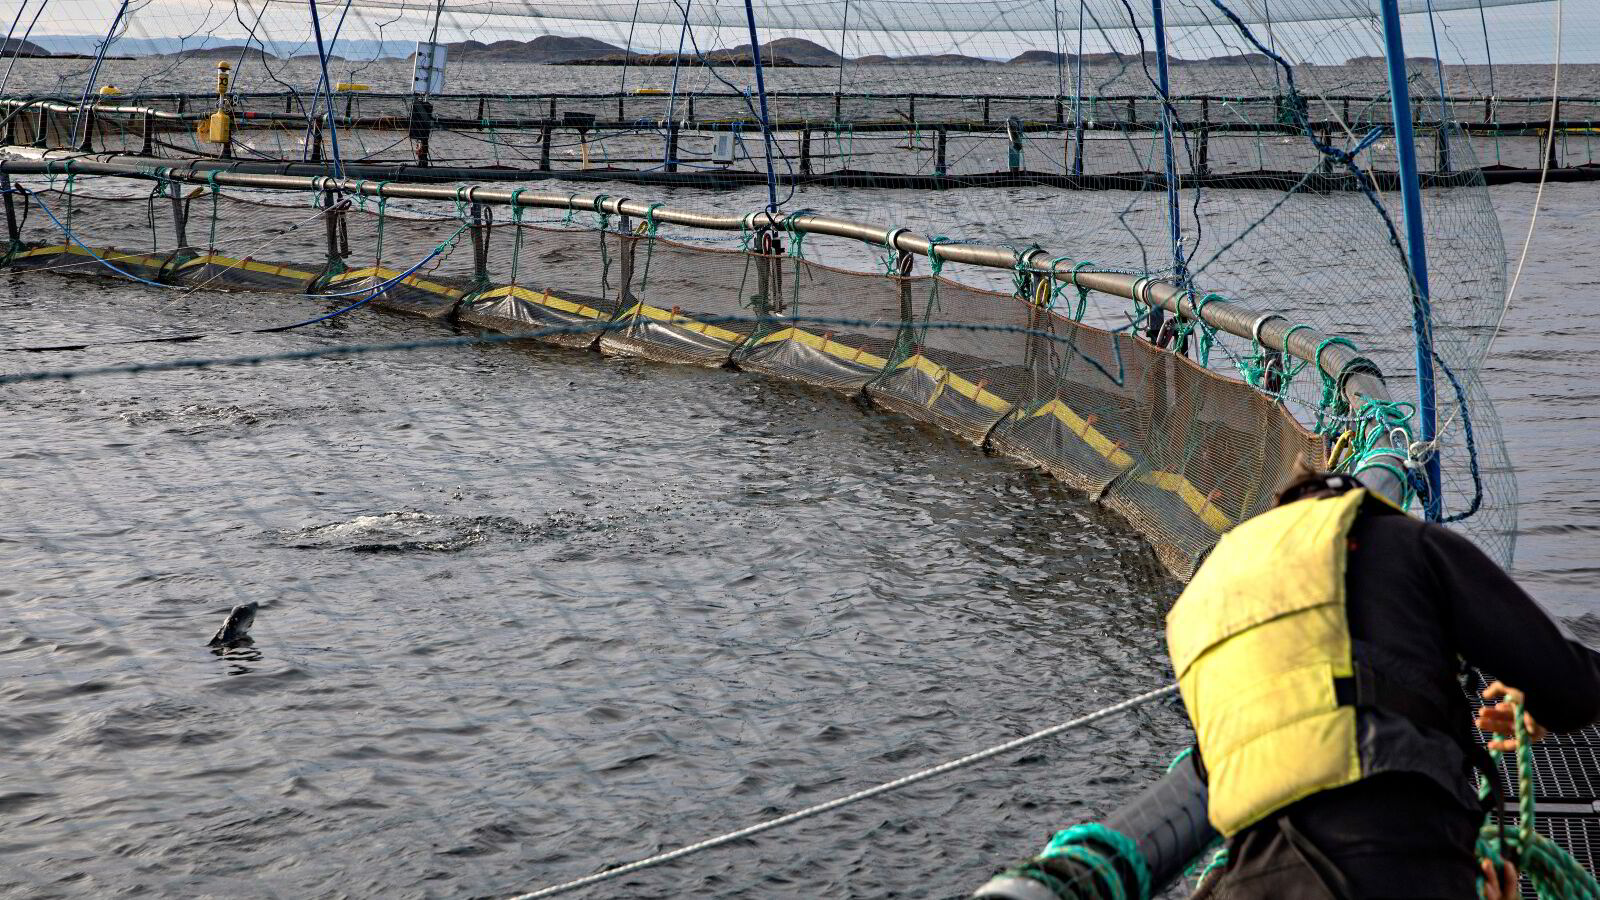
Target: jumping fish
236 630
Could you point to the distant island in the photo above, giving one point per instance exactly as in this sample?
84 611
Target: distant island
551 49
19 47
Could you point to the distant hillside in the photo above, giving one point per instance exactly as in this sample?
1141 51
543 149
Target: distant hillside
19 47
1380 61
1239 59
546 48
1046 57
925 59
783 52
225 53
795 50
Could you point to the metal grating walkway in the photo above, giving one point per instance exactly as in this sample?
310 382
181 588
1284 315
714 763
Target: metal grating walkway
1566 789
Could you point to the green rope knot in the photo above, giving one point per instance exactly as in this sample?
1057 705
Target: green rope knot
1021 272
1207 335
517 211
1083 292
1332 401
935 261
891 260
797 238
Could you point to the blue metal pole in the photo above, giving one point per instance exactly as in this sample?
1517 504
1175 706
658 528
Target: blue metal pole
1077 100
761 88
327 88
1405 146
1178 272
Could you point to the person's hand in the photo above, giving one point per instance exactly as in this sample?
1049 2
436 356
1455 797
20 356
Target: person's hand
1501 885
1500 718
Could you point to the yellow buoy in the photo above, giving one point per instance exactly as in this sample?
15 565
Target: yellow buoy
109 90
216 128
649 92
350 86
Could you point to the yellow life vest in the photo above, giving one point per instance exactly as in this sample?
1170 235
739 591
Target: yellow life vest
1258 639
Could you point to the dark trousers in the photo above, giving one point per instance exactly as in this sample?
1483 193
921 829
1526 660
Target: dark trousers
1390 836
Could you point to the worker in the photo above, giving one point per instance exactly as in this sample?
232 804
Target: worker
1318 651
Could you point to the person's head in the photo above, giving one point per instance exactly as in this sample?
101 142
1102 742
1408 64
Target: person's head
1307 482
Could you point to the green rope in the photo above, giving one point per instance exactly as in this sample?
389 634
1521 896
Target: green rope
1088 844
1553 871
650 228
1021 272
517 211
216 212
1207 335
1083 292
797 238
1332 401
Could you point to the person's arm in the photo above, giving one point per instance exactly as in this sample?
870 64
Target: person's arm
1497 627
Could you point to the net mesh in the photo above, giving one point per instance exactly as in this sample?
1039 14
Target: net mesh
1023 125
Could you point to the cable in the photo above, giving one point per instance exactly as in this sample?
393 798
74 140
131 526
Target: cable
849 799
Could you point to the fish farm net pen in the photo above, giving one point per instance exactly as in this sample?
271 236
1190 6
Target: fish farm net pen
347 329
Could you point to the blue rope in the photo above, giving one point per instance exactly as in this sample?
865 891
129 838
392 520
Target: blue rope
1347 159
1472 445
34 196
379 289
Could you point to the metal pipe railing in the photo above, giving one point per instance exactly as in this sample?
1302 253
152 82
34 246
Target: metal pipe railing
1357 377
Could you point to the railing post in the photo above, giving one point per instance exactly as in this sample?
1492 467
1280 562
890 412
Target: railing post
625 248
180 219
420 128
672 147
805 151
333 224
1015 134
481 218
13 230
546 134
148 146
941 144
1555 118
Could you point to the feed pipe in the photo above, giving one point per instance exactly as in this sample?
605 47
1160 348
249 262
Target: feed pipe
1357 377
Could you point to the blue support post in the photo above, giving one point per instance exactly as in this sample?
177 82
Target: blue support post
1178 272
1077 99
327 90
1405 146
761 88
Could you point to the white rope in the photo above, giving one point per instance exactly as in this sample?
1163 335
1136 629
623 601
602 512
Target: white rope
831 805
1544 170
1533 217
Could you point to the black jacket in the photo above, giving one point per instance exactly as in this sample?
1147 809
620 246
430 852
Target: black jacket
1420 599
